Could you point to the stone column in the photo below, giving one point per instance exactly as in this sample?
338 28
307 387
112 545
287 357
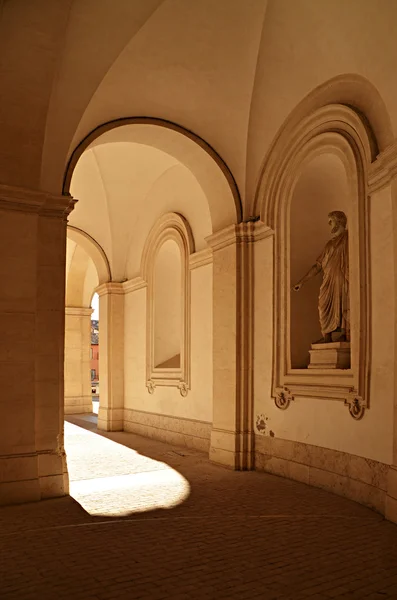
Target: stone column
391 497
232 437
111 357
32 272
77 360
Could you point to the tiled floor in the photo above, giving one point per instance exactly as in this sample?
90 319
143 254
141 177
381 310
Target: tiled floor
158 522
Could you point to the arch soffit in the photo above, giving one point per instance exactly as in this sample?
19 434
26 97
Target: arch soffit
94 251
170 226
192 151
298 144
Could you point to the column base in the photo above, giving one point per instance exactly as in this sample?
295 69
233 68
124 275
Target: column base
35 477
232 449
391 496
53 474
110 419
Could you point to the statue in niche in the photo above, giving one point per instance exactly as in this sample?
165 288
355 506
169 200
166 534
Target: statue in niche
333 303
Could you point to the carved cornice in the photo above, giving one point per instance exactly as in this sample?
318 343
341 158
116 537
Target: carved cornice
253 231
384 169
112 287
133 285
200 259
35 201
223 238
248 232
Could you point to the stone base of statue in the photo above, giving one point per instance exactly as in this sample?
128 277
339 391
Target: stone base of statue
334 355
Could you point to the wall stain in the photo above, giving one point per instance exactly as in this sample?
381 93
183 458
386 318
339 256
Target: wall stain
261 423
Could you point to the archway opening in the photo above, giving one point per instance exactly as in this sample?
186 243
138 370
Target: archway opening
94 354
81 332
128 176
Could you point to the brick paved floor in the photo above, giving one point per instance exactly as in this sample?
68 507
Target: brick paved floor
152 521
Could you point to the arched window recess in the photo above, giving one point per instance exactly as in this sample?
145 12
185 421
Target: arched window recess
166 272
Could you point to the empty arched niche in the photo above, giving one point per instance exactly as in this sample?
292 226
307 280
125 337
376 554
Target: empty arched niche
168 321
322 187
166 271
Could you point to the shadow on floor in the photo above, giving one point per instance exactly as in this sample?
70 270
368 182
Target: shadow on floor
236 535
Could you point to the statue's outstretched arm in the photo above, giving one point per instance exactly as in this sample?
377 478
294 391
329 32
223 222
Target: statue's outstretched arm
312 272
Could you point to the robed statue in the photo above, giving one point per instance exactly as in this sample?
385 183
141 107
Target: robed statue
333 302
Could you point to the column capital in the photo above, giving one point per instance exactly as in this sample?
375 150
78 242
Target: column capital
111 287
249 231
35 201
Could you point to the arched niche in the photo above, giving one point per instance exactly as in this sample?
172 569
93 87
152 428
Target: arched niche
165 269
167 306
321 187
342 132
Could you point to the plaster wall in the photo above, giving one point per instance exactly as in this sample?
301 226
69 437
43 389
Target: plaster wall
193 414
325 40
325 423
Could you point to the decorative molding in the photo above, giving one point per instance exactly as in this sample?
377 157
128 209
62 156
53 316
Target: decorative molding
200 259
133 285
183 388
223 238
35 201
356 405
247 232
150 386
111 287
253 231
169 226
384 169
78 311
283 398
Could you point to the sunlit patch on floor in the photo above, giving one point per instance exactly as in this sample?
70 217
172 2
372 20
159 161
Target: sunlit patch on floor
109 479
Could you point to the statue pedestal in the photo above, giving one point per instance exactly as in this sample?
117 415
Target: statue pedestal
335 355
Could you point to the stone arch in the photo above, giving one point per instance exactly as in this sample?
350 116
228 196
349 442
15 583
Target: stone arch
94 251
170 224
348 90
286 153
197 155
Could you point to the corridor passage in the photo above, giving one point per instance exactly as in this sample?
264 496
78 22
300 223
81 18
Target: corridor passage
153 521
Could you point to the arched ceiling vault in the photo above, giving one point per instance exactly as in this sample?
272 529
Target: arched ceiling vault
128 175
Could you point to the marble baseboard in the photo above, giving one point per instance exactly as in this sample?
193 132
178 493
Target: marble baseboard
354 477
173 430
